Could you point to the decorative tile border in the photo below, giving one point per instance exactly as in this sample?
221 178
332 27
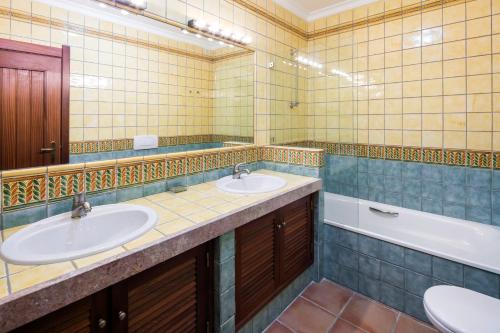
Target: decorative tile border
194 162
25 187
154 168
84 147
176 165
211 159
100 176
454 157
308 157
65 180
129 172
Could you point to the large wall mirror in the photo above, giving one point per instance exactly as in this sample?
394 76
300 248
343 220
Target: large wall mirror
93 80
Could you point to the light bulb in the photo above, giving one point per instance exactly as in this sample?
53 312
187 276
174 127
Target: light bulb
236 36
184 31
247 40
103 5
200 24
138 3
123 12
213 28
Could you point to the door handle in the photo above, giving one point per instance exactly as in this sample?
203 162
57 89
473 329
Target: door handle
51 150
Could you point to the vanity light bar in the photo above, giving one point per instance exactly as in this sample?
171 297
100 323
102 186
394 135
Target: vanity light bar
137 4
215 30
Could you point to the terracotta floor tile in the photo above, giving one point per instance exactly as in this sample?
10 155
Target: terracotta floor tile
407 324
369 315
276 327
342 326
328 295
304 316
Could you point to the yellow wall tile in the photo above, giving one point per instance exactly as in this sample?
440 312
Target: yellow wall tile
479 140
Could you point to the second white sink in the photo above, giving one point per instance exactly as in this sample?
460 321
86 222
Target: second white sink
251 184
60 238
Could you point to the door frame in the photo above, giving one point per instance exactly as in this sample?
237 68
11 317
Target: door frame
62 53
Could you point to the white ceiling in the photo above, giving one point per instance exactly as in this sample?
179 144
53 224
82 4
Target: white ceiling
310 10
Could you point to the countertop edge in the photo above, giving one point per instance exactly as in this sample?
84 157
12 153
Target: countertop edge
34 302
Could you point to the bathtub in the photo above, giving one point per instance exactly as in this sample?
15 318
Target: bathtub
463 241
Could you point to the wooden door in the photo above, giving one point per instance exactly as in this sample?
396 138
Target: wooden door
256 266
88 315
34 105
170 297
296 244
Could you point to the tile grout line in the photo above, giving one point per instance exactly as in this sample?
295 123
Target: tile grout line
286 308
396 322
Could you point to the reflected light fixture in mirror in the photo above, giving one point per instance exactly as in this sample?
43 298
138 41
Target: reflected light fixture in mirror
137 4
214 30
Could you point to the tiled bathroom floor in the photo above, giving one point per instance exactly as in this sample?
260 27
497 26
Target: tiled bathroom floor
329 308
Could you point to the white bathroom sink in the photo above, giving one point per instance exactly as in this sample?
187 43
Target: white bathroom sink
251 184
60 238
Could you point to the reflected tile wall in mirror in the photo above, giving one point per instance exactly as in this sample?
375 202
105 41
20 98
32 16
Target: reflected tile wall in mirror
127 81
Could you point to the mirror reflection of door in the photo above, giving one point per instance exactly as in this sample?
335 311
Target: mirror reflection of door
34 105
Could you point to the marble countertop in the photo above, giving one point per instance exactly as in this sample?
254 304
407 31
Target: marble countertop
185 220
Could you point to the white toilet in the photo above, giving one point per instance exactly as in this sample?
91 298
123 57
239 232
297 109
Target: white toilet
459 310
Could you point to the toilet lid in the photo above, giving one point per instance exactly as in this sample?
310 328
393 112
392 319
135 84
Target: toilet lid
463 310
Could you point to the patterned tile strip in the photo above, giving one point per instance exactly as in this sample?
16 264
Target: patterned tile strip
454 157
100 178
22 188
83 147
154 169
23 191
65 183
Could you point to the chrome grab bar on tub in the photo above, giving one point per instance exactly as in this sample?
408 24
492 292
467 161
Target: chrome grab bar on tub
384 212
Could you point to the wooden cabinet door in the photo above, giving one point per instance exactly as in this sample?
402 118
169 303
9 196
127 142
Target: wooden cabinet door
88 315
270 253
256 266
296 241
170 297
34 105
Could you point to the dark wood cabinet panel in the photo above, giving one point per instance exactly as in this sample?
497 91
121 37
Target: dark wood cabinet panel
256 266
296 241
270 253
80 317
174 296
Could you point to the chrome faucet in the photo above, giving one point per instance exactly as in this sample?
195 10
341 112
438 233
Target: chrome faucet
237 171
81 207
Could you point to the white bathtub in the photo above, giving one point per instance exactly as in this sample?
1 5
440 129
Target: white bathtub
466 242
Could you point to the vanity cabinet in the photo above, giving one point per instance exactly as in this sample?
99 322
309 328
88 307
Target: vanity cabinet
173 296
270 253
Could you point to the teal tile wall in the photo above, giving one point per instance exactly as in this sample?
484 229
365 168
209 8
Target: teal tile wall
109 155
395 275
224 283
460 192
